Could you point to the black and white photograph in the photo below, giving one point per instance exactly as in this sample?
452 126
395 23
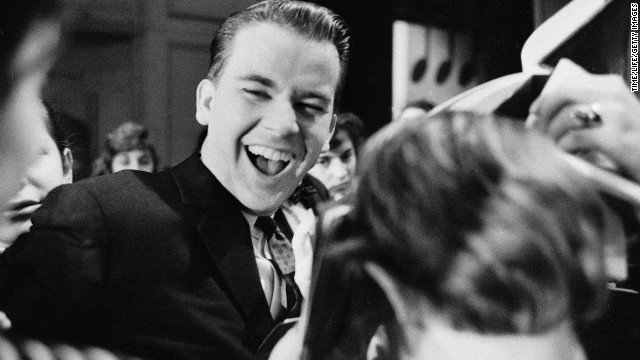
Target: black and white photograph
319 180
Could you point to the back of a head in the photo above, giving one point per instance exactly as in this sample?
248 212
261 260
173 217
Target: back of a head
307 19
482 217
479 216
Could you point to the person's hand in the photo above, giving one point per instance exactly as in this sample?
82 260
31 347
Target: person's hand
569 95
5 323
303 253
290 345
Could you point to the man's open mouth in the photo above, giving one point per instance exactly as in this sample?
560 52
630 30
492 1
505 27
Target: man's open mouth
269 161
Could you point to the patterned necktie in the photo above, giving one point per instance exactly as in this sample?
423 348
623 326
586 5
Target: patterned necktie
280 247
282 253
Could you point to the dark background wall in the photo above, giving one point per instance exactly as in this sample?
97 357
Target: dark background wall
368 88
501 27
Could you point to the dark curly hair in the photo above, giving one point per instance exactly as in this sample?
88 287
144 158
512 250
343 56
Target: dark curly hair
352 125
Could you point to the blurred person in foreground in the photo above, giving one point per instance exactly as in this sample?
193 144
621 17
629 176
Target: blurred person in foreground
470 238
29 37
126 148
181 264
53 167
336 167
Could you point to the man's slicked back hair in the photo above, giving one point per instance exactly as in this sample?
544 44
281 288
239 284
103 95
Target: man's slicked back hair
307 19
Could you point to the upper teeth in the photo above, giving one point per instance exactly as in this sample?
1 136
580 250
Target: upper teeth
269 153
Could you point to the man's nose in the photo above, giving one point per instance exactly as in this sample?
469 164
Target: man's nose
282 119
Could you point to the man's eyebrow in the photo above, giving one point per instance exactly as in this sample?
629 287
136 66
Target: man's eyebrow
259 79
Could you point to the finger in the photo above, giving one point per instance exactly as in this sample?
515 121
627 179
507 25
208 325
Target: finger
34 349
5 323
301 241
67 352
7 350
567 120
557 93
94 353
533 121
579 140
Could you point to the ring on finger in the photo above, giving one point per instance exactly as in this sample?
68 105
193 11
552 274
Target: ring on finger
590 117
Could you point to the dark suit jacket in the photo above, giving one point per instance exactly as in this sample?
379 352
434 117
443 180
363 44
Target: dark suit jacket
157 265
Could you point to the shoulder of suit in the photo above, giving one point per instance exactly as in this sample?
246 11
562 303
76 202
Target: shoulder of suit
127 184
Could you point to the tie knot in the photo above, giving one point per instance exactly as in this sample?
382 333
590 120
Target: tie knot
267 225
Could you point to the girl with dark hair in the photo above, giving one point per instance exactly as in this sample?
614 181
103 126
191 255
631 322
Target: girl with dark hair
336 166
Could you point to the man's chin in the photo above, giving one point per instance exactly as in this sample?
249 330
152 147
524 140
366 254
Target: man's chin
263 208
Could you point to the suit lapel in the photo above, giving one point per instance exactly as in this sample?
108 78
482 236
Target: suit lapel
226 235
283 224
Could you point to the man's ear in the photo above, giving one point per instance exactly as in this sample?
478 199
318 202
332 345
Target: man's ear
204 99
67 166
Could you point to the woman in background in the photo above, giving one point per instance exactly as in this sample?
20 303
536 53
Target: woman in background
126 148
470 238
52 167
336 168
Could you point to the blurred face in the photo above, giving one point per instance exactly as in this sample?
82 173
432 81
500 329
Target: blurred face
44 174
22 115
269 112
336 168
133 160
